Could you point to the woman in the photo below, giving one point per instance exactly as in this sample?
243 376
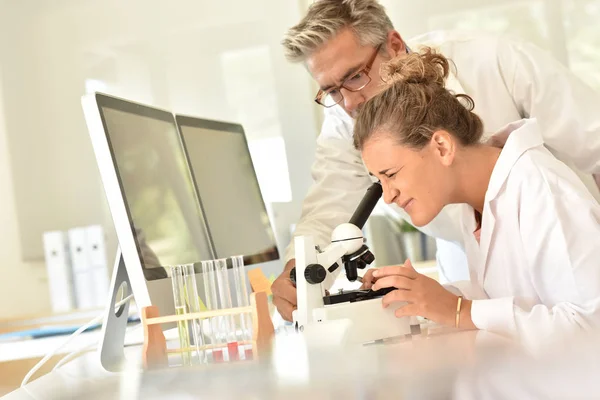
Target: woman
531 229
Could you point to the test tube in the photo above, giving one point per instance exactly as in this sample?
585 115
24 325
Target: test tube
227 322
241 291
210 291
193 303
177 282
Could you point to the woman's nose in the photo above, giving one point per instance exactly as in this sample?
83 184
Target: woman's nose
389 193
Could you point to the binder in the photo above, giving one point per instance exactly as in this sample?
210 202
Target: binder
58 267
82 272
96 248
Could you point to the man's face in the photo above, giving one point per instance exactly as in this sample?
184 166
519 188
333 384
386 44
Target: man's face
342 58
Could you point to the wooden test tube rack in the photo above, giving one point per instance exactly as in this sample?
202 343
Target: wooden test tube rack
155 352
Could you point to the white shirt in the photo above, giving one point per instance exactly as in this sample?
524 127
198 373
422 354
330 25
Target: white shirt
508 80
536 269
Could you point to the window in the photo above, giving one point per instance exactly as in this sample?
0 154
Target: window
250 92
523 19
583 39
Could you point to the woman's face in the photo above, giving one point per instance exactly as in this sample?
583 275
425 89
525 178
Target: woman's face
419 181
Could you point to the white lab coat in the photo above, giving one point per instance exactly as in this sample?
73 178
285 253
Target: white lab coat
508 80
536 268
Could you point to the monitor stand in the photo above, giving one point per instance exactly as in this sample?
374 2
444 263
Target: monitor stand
112 354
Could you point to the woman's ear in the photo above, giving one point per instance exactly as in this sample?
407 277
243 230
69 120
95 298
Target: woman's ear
444 147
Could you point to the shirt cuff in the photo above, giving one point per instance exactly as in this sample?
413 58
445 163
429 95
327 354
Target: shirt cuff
460 288
289 252
494 315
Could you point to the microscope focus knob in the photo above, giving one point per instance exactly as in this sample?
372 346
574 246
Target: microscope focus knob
315 273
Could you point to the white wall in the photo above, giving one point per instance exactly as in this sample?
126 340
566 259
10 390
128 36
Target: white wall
54 177
23 288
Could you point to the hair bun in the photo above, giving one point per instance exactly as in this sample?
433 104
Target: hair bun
425 68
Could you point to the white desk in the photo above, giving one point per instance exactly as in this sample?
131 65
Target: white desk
454 365
290 371
382 370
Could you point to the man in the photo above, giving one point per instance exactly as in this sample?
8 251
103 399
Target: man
344 42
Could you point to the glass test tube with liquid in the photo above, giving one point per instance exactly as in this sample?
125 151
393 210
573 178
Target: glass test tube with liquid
193 306
228 327
177 282
243 300
212 303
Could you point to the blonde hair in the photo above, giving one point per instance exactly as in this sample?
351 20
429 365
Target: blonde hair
326 18
415 104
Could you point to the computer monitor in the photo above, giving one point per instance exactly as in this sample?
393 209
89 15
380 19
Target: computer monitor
229 191
149 186
152 198
173 201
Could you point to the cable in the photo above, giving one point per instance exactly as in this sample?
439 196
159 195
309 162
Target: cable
76 353
72 355
71 337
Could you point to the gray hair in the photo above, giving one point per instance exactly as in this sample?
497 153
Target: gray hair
326 18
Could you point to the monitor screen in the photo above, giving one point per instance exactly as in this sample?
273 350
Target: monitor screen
230 195
156 182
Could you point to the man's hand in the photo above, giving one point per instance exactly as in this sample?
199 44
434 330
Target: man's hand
284 292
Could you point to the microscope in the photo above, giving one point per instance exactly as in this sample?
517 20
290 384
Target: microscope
354 316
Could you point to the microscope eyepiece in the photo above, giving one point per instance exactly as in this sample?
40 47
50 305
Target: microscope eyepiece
367 204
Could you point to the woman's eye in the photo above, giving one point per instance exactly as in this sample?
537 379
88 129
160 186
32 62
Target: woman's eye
390 176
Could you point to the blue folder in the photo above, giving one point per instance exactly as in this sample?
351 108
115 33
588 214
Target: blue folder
48 331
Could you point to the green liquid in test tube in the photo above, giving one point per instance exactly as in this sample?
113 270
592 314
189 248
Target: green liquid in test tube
177 282
193 306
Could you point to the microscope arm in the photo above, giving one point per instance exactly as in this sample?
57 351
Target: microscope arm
330 259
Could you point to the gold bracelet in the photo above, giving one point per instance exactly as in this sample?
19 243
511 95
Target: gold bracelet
458 307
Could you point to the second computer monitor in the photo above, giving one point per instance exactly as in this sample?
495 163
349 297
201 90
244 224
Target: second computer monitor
230 195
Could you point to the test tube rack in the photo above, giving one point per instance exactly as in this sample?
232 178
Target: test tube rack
155 353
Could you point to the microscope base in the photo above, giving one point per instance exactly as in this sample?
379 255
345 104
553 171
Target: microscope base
360 322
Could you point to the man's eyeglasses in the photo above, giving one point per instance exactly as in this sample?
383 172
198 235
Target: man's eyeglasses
355 83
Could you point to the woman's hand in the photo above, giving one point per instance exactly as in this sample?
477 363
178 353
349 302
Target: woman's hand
368 280
425 296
